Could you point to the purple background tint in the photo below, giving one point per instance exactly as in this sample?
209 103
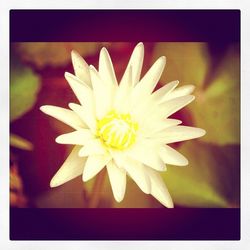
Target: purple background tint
218 27
125 25
125 224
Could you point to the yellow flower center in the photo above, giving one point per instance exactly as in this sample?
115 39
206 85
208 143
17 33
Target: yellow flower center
117 130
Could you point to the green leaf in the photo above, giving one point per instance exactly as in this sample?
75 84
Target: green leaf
210 180
19 142
24 88
187 62
217 107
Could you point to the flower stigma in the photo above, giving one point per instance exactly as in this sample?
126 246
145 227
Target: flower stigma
116 130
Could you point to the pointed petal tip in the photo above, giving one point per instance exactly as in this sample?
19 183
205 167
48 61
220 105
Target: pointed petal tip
58 139
186 98
163 169
171 205
167 202
199 132
85 178
173 85
202 132
118 199
67 75
192 87
92 68
192 97
163 58
72 105
53 183
189 88
43 108
185 163
140 44
104 50
139 48
74 53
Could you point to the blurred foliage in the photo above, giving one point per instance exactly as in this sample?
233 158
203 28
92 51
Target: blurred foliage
69 195
24 87
42 54
17 196
19 142
217 105
210 180
186 62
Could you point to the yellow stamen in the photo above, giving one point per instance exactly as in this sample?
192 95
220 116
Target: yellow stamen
117 130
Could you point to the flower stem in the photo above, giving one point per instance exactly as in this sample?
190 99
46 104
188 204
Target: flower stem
96 191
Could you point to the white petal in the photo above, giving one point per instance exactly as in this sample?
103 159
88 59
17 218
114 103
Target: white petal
141 110
94 165
103 94
78 137
136 170
159 94
181 91
82 91
141 101
172 157
71 168
85 114
64 115
159 189
106 69
81 68
147 84
121 100
135 61
170 107
117 177
150 128
92 147
181 133
147 154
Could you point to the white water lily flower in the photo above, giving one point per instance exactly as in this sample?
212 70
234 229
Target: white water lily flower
124 127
